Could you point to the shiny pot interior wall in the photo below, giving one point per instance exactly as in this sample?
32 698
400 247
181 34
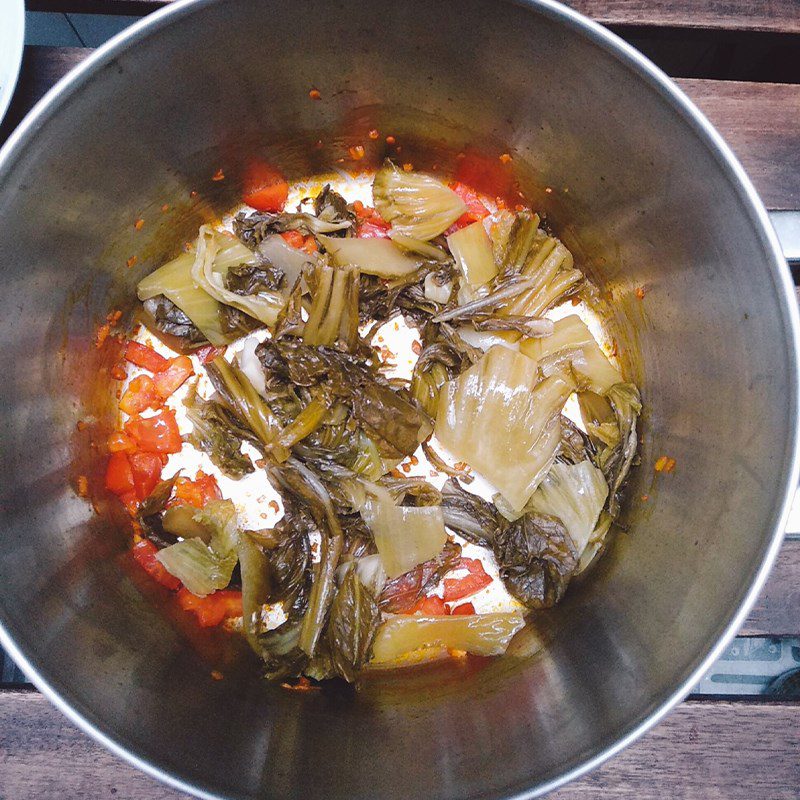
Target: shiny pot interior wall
637 192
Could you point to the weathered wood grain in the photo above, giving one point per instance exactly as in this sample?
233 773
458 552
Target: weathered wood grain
743 15
760 123
777 610
740 15
759 120
735 751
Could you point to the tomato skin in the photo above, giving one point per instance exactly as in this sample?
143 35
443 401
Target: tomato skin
156 434
140 394
173 376
465 609
197 492
432 606
144 553
119 475
475 580
213 609
146 469
120 442
265 188
145 357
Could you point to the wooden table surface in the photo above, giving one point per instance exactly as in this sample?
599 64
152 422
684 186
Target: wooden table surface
739 61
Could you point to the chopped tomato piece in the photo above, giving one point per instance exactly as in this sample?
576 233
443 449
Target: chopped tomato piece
140 394
432 606
197 492
145 357
156 434
119 475
175 374
371 225
208 353
475 580
299 242
310 245
465 609
213 609
476 210
144 553
120 442
293 238
131 502
265 189
146 468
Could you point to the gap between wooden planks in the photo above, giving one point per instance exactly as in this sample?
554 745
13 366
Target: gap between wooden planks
735 751
760 121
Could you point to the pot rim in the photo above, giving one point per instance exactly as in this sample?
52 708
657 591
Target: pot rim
677 99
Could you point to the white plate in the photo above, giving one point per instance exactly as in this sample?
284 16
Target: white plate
12 39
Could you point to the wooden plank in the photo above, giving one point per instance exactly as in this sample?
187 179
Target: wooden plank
777 610
735 751
41 68
759 122
779 16
713 751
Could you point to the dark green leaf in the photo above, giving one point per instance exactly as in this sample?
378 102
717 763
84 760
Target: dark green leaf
537 558
354 620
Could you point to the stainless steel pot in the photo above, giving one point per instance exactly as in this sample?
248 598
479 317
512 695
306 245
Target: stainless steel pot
642 188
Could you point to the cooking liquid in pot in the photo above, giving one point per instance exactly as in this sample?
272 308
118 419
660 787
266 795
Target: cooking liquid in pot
471 573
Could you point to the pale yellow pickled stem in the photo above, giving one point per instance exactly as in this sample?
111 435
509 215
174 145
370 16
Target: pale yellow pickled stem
319 305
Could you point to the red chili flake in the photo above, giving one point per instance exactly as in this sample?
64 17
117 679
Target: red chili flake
102 335
390 140
118 372
505 158
416 347
645 497
460 465
373 134
274 506
165 207
314 94
414 460
303 685
576 301
640 292
139 224
131 261
219 175
395 473
406 467
113 317
261 463
216 675
81 425
356 152
665 464
83 486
